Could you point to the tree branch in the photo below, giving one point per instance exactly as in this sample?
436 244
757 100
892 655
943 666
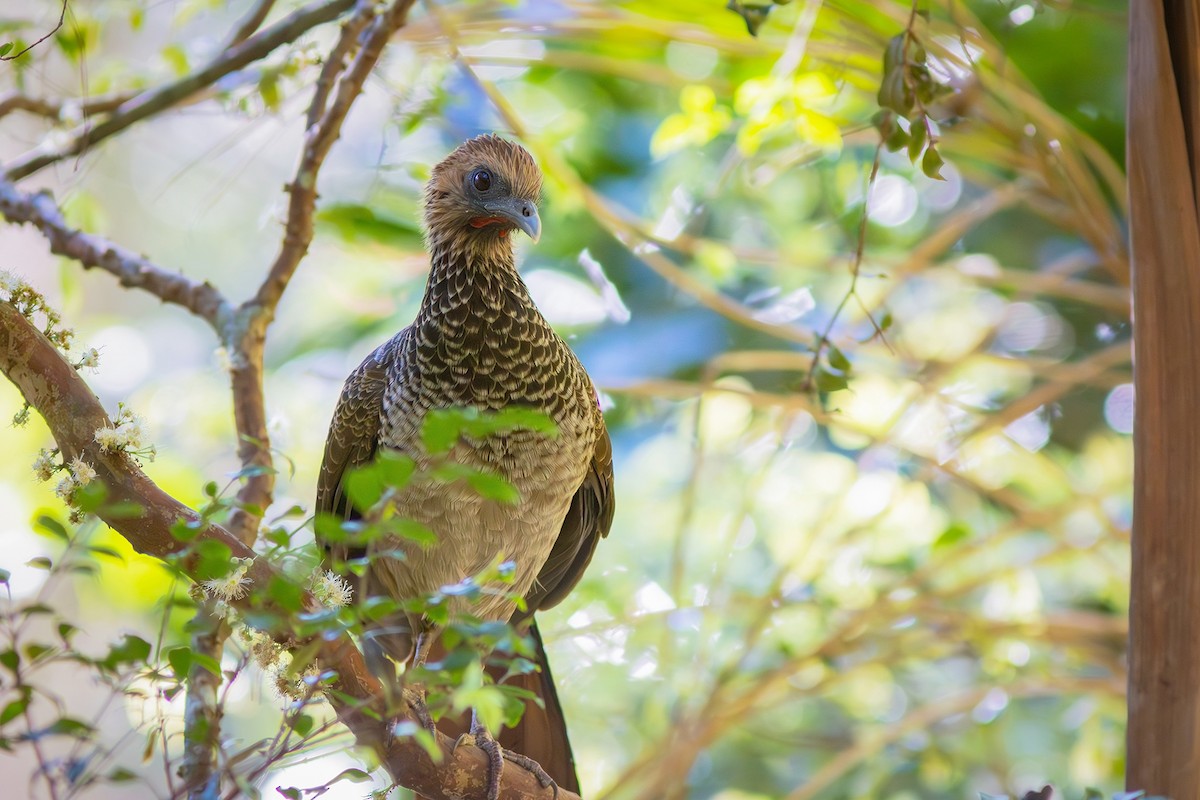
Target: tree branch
155 100
132 270
52 108
52 386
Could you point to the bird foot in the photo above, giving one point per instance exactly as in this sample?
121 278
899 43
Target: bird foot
481 738
414 697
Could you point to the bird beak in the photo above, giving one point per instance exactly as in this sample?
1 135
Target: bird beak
522 213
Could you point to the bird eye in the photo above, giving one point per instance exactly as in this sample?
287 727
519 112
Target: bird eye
481 180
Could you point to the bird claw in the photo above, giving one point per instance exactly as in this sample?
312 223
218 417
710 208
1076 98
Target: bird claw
497 755
415 699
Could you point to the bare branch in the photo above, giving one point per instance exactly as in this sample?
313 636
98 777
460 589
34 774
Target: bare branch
132 270
155 100
73 414
53 108
251 22
319 139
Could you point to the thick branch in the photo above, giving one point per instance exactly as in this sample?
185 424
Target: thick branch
40 210
155 100
72 412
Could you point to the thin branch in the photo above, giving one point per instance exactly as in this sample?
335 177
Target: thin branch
62 16
133 271
158 99
73 413
251 22
54 108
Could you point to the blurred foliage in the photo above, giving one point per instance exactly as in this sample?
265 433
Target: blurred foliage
871 428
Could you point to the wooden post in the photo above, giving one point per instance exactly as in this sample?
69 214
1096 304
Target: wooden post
1164 670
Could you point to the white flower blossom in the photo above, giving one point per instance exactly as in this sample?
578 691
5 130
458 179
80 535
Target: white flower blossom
90 358
10 283
127 433
45 465
66 487
233 586
331 589
81 471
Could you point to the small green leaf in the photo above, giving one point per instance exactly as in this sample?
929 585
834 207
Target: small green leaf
53 527
838 360
41 562
916 139
121 775
932 164
10 659
5 49
215 559
285 594
291 792
302 725
180 659
4 575
830 382
130 650
66 726
14 709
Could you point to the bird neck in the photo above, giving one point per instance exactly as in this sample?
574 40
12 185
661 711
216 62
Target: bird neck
472 277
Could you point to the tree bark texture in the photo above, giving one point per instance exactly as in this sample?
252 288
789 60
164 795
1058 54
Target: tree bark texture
1164 676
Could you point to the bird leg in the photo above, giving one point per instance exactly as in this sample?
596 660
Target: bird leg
416 698
482 738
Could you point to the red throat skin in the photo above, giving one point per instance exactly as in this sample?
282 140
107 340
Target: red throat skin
483 222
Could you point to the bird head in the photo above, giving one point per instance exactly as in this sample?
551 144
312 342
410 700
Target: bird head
485 189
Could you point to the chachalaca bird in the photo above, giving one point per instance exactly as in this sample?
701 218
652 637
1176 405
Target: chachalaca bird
479 342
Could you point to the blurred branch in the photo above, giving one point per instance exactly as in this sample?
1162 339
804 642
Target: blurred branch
923 718
251 22
53 108
163 97
73 414
133 271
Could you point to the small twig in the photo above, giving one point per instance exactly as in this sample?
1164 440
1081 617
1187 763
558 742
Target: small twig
53 108
823 340
62 16
155 100
132 270
250 23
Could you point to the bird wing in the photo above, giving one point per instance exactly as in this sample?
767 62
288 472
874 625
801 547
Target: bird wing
587 522
354 432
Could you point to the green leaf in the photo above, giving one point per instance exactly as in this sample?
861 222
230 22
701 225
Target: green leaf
932 164
14 709
180 659
120 775
41 562
4 575
916 139
285 594
214 559
10 659
302 725
830 382
66 726
5 49
838 360
53 527
130 650
752 14
954 533
291 792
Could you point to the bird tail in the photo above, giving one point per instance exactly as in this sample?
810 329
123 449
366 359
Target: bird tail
542 732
